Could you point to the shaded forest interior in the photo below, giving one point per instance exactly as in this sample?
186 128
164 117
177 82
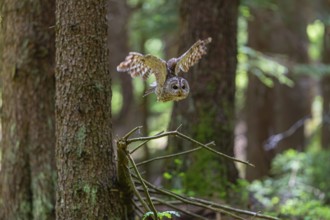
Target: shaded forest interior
251 140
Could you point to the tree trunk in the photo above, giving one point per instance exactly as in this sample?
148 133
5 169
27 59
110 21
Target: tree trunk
28 136
259 120
208 113
119 14
87 173
271 110
325 90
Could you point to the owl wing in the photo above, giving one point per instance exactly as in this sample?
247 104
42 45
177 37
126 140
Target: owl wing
137 64
192 56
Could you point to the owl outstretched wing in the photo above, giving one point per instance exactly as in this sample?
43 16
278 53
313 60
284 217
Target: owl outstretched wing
137 64
192 56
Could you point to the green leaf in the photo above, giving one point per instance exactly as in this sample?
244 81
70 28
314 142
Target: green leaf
161 215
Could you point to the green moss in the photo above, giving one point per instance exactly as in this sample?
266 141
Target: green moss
80 138
42 207
91 192
211 183
24 208
99 87
205 128
12 130
42 203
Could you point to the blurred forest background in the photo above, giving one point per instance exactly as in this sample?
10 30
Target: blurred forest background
281 102
262 93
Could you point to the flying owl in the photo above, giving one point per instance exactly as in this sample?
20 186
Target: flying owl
168 86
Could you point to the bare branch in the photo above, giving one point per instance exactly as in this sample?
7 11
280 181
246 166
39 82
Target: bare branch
143 143
172 155
168 156
131 132
273 140
143 184
255 214
187 201
208 204
178 134
138 208
139 146
178 127
179 209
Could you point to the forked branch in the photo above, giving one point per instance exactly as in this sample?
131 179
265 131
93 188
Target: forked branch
132 182
185 137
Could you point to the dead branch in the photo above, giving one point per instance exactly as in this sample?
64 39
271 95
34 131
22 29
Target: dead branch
131 183
178 134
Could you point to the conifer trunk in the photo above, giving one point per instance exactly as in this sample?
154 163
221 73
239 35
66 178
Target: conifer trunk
87 173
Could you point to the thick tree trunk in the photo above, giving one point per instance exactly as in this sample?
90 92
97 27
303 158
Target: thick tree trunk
208 113
87 173
28 137
271 111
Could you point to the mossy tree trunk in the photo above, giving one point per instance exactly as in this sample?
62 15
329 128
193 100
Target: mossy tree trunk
208 113
87 173
28 91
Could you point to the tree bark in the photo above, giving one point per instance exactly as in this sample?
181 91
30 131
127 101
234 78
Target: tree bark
28 136
87 172
208 113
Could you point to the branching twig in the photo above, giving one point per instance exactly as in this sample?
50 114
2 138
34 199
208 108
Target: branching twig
172 155
143 143
207 204
168 156
143 184
139 146
138 208
273 140
131 132
127 178
138 195
177 129
255 214
178 134
179 209
187 201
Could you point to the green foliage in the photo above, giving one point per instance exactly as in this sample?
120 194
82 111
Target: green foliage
314 70
153 20
266 68
268 4
161 215
117 99
315 32
299 187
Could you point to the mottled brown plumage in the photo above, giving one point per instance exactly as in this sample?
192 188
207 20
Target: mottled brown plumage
168 86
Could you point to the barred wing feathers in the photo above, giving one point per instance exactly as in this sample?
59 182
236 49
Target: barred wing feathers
137 64
192 56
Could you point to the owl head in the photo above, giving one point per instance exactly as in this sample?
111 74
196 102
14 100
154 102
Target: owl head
175 88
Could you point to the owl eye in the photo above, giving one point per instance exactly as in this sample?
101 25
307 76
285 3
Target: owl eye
183 87
175 87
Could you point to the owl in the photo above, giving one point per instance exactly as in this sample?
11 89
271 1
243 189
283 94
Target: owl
168 85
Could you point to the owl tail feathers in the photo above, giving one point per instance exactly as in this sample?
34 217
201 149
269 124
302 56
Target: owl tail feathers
149 91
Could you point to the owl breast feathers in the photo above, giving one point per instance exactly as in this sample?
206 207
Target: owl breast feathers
168 86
